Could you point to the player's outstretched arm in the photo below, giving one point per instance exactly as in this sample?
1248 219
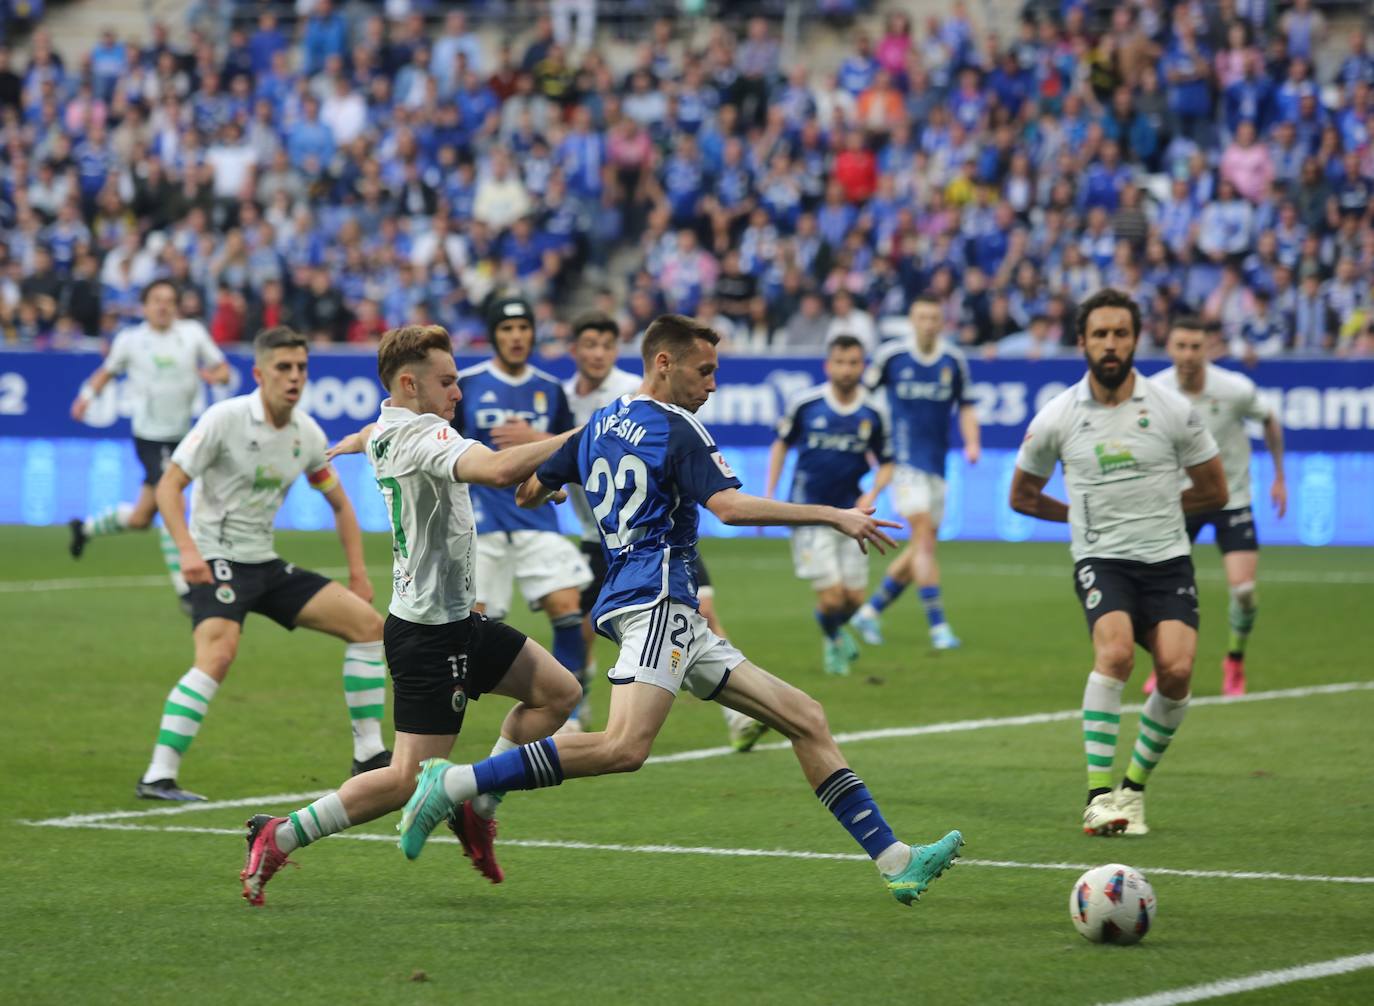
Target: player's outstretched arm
742 510
777 454
1273 439
218 374
881 481
171 503
533 493
351 538
354 443
1028 497
480 465
1208 491
971 434
89 392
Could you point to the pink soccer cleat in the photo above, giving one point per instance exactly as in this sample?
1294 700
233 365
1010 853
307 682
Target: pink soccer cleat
1232 675
1150 683
264 858
477 835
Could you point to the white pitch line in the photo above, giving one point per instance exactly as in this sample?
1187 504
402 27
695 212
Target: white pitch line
1249 983
700 754
707 850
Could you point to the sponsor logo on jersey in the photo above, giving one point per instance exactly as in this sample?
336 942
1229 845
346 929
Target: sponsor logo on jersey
164 362
488 396
1114 456
818 423
265 478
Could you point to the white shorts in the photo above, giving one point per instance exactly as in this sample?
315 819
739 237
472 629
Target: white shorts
915 492
540 562
670 645
828 559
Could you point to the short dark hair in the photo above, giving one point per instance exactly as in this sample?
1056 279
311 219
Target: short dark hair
143 297
594 321
1108 297
844 341
278 337
927 298
1189 323
674 334
408 344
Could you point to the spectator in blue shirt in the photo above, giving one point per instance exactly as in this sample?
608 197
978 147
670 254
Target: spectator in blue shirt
325 35
310 137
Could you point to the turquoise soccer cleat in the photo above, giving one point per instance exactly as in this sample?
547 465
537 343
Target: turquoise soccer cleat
848 648
427 806
927 863
942 637
834 662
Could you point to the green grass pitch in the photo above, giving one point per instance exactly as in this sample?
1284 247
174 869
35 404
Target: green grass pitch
138 911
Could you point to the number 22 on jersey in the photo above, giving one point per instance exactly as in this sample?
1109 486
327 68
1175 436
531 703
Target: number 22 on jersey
631 472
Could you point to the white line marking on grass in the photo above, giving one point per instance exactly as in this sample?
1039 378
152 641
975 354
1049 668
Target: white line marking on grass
700 754
1249 983
1031 719
707 850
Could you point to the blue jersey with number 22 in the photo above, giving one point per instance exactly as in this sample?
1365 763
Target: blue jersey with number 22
645 466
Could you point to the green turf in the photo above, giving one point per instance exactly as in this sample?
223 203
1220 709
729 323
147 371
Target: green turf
154 917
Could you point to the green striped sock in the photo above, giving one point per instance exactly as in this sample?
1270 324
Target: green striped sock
182 713
364 678
1158 721
1101 722
171 558
1241 614
326 816
111 520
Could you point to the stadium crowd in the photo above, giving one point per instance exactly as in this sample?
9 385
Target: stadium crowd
346 173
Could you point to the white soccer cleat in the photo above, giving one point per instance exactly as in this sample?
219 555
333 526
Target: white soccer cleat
1131 804
1102 817
942 637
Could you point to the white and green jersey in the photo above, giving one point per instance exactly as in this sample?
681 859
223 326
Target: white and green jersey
164 374
616 383
1121 468
433 536
243 467
1226 402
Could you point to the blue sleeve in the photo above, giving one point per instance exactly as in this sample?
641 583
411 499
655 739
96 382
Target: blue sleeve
562 469
963 391
879 441
698 467
790 426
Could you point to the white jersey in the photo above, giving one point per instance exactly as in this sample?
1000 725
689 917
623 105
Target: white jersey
164 374
1121 468
1226 402
243 467
433 535
616 383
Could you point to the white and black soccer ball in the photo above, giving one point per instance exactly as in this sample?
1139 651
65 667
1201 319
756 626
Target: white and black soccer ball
1112 904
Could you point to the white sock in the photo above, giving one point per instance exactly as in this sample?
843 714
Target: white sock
111 520
182 713
171 558
364 679
326 816
894 859
460 783
485 804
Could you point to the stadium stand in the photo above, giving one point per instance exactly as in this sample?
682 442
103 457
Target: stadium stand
346 169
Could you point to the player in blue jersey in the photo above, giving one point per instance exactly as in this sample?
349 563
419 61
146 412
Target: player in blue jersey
506 402
835 427
924 380
647 464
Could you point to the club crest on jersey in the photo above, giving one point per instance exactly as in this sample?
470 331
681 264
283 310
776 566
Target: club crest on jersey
1114 456
224 594
865 428
946 375
541 401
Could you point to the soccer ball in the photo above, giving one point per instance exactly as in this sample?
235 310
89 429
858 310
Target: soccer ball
1112 904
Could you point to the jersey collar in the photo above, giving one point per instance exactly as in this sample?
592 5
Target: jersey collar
1084 393
258 411
926 360
505 378
837 407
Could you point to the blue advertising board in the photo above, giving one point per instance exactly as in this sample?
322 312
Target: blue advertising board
56 468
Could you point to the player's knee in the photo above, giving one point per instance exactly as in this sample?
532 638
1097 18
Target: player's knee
140 521
1176 670
628 754
806 717
366 628
215 658
564 693
1115 659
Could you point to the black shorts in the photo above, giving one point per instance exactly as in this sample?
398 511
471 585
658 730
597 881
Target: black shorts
1235 528
1150 592
596 559
154 454
436 669
275 588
